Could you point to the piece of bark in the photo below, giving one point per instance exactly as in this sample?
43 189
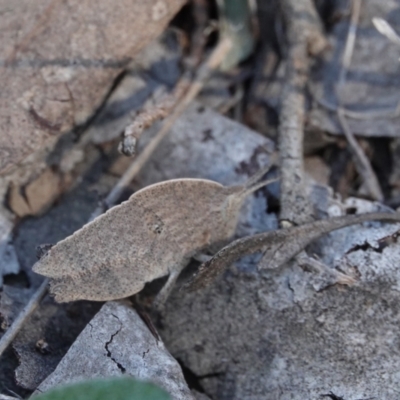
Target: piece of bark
36 196
115 342
59 60
43 191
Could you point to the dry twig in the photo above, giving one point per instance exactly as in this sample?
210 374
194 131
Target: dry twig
360 159
200 16
304 35
384 28
193 90
12 331
150 115
166 105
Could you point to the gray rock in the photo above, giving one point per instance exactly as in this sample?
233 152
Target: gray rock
280 334
117 342
372 82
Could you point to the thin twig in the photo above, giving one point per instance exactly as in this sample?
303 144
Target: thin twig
15 327
165 106
301 33
149 115
350 41
204 71
199 37
384 28
361 160
316 265
389 112
304 36
362 163
238 106
232 101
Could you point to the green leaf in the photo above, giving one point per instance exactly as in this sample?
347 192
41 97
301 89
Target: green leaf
107 389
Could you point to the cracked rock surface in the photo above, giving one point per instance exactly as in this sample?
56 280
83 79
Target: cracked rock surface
284 334
117 341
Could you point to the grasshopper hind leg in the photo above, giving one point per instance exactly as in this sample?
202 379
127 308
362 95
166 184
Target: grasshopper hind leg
162 296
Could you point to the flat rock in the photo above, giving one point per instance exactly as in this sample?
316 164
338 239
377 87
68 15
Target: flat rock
59 59
117 342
